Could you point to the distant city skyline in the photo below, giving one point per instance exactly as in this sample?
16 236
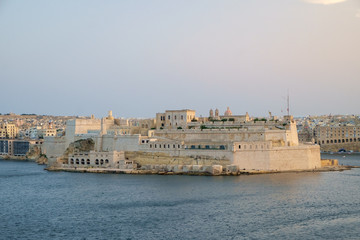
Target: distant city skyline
138 58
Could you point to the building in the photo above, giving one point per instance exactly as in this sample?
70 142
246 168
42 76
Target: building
112 159
334 138
182 139
8 130
174 119
13 147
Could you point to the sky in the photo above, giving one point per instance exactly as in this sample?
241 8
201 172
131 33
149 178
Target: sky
140 57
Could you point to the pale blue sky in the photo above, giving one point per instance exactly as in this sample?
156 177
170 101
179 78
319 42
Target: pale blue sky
79 57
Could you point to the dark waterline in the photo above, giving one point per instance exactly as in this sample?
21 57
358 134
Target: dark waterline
36 204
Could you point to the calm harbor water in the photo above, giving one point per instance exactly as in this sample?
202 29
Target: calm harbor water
36 204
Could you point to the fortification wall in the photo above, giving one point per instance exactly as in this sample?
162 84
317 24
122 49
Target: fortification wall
216 135
280 159
294 158
53 148
156 158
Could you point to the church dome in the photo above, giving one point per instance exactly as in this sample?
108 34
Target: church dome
228 112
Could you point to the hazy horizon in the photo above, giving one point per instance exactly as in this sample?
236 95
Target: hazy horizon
138 58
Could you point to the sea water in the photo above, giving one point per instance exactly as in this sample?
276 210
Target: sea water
37 204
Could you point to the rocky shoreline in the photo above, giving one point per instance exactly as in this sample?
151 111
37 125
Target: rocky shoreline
190 173
38 160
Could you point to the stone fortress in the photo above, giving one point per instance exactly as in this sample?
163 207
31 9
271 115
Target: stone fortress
178 141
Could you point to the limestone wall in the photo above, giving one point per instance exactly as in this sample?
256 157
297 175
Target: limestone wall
280 159
329 162
294 158
148 158
54 147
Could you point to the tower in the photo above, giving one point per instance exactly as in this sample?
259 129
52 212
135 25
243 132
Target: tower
211 114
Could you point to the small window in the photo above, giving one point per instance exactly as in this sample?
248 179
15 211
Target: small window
106 161
101 161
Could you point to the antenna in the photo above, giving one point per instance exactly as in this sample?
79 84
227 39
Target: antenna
288 104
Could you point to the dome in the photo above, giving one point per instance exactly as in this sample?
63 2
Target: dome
228 112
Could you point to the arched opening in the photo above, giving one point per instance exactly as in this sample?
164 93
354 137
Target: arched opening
77 161
101 161
97 161
87 161
106 161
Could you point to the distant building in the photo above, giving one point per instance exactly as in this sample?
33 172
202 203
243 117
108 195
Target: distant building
8 130
173 119
333 138
14 147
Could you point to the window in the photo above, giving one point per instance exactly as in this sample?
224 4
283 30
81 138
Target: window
88 161
239 146
101 161
106 161
150 145
97 161
169 117
77 161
